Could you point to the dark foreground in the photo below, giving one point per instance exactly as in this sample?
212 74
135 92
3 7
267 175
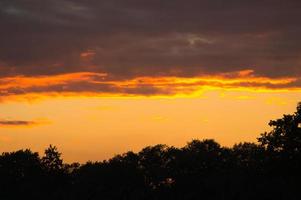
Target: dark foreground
270 169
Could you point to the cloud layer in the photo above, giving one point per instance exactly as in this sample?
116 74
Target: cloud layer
97 84
151 47
130 39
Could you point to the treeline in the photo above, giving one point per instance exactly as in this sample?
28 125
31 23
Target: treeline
269 169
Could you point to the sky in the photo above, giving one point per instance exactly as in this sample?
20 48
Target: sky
101 77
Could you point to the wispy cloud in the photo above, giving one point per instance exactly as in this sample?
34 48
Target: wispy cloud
21 123
16 123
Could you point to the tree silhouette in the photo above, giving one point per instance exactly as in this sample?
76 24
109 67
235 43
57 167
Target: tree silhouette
19 171
52 159
286 134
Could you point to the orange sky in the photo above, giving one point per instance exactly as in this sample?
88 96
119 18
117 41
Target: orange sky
95 126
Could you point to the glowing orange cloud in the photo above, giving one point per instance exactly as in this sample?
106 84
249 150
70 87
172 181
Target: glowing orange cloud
25 82
101 84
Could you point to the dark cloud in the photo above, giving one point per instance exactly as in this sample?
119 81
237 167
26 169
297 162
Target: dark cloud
16 123
132 38
89 87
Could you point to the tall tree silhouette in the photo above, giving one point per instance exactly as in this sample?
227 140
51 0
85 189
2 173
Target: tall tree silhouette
286 134
52 159
285 137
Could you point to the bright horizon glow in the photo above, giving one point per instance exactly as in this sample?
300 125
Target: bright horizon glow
95 128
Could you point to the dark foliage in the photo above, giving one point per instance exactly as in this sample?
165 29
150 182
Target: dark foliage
200 170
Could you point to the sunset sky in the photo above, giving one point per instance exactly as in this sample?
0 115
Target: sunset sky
101 77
